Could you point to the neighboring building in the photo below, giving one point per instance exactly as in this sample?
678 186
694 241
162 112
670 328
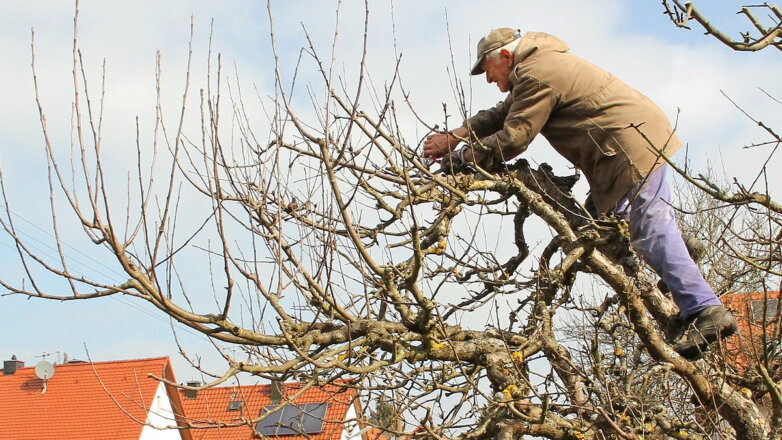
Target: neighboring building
757 314
329 412
758 341
418 433
101 400
119 400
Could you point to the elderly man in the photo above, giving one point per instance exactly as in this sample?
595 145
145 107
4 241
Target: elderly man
613 133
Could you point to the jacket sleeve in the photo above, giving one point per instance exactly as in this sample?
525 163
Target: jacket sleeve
488 121
526 111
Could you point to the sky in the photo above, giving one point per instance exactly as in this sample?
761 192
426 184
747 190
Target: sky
689 75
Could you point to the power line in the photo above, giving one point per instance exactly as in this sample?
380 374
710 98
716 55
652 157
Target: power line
48 248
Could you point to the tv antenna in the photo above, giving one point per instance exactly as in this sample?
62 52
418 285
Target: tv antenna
44 370
43 356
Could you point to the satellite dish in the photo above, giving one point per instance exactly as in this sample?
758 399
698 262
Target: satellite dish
44 370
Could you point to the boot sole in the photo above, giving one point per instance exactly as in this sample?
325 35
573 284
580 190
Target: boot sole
693 350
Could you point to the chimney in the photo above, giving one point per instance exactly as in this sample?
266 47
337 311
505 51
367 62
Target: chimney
10 367
276 391
192 394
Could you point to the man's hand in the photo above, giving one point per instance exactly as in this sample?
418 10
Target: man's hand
454 163
439 144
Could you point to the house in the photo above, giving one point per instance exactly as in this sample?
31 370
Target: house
120 400
758 341
80 400
293 412
757 315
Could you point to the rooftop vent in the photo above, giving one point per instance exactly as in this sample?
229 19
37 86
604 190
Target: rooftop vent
192 394
276 391
10 367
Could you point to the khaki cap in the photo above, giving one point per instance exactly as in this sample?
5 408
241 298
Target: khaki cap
496 38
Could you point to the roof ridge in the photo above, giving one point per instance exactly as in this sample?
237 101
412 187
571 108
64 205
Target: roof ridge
81 363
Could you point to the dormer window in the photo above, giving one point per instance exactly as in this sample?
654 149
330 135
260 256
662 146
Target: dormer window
758 306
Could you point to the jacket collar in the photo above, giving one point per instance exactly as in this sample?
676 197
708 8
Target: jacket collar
529 44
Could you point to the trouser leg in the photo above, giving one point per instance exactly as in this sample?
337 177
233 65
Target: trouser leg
657 239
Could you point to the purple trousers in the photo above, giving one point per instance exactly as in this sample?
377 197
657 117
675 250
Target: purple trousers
656 238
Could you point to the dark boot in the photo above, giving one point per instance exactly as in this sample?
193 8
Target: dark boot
706 327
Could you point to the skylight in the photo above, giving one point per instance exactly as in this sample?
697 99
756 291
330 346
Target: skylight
293 419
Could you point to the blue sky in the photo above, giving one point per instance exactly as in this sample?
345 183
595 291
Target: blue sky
685 72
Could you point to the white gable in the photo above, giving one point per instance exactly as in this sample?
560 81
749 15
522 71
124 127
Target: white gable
351 429
160 418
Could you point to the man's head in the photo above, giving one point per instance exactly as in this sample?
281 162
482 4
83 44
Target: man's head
495 56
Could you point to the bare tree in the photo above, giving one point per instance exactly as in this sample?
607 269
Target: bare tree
334 251
766 30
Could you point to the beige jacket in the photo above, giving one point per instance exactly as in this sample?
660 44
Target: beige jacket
584 112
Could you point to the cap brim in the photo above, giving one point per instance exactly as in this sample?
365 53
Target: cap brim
477 68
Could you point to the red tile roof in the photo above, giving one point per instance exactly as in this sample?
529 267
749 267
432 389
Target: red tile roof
748 342
102 400
374 434
210 407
